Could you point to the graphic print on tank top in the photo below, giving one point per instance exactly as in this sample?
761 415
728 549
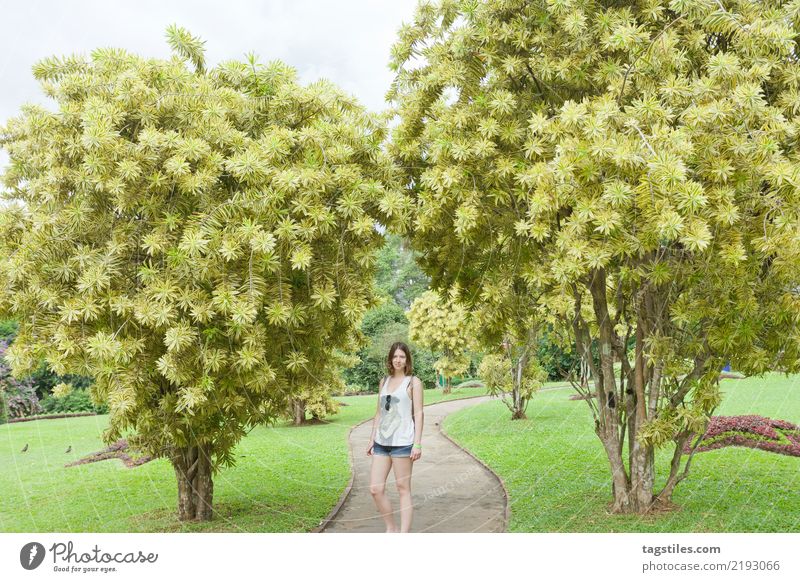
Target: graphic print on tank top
390 421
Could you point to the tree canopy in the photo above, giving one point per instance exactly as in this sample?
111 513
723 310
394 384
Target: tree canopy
442 325
633 167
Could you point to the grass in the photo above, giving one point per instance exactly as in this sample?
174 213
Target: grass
558 476
286 478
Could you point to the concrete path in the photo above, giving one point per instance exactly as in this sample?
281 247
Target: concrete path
452 492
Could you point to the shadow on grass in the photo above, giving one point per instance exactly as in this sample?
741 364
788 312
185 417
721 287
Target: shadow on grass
228 518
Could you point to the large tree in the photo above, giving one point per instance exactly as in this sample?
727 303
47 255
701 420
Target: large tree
200 241
633 165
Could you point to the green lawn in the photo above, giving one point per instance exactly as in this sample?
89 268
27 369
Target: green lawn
286 479
558 477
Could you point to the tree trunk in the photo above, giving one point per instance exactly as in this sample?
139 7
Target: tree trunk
634 493
641 457
518 410
195 485
447 386
619 477
519 406
298 411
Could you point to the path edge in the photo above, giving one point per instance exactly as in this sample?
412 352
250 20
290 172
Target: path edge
320 528
507 510
346 493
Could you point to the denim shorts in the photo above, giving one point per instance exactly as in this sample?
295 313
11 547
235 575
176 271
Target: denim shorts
391 451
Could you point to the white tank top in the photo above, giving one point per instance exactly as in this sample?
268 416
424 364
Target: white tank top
396 426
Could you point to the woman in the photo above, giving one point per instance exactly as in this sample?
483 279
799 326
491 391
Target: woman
396 440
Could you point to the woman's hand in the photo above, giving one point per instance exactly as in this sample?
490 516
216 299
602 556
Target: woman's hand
416 453
369 447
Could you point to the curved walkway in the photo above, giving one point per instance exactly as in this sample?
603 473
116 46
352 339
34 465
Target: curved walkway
452 491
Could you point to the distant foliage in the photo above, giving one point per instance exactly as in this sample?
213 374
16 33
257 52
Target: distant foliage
558 361
8 329
43 378
397 273
17 397
381 327
75 401
441 324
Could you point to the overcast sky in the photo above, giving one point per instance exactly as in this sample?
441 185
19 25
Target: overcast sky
346 41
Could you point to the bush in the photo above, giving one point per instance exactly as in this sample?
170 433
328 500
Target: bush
76 401
20 400
8 330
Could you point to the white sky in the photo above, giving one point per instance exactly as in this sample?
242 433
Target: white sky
346 41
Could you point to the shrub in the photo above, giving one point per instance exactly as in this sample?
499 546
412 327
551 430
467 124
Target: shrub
752 431
76 401
8 330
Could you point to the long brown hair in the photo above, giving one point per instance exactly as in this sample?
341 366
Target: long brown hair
399 346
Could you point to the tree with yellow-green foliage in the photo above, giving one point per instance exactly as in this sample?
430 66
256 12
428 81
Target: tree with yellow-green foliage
634 166
199 240
443 326
514 374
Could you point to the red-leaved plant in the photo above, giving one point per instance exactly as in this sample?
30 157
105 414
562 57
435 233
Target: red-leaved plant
755 432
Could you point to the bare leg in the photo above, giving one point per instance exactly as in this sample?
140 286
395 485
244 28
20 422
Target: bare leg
402 475
381 466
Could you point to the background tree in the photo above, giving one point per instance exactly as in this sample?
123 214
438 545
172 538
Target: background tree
507 325
397 273
200 241
442 325
515 375
381 327
634 164
315 397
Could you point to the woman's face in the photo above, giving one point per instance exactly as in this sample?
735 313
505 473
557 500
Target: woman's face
399 360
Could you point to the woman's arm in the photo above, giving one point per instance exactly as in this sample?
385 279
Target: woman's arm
419 415
375 420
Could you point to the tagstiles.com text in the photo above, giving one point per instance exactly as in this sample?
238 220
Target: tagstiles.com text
679 549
